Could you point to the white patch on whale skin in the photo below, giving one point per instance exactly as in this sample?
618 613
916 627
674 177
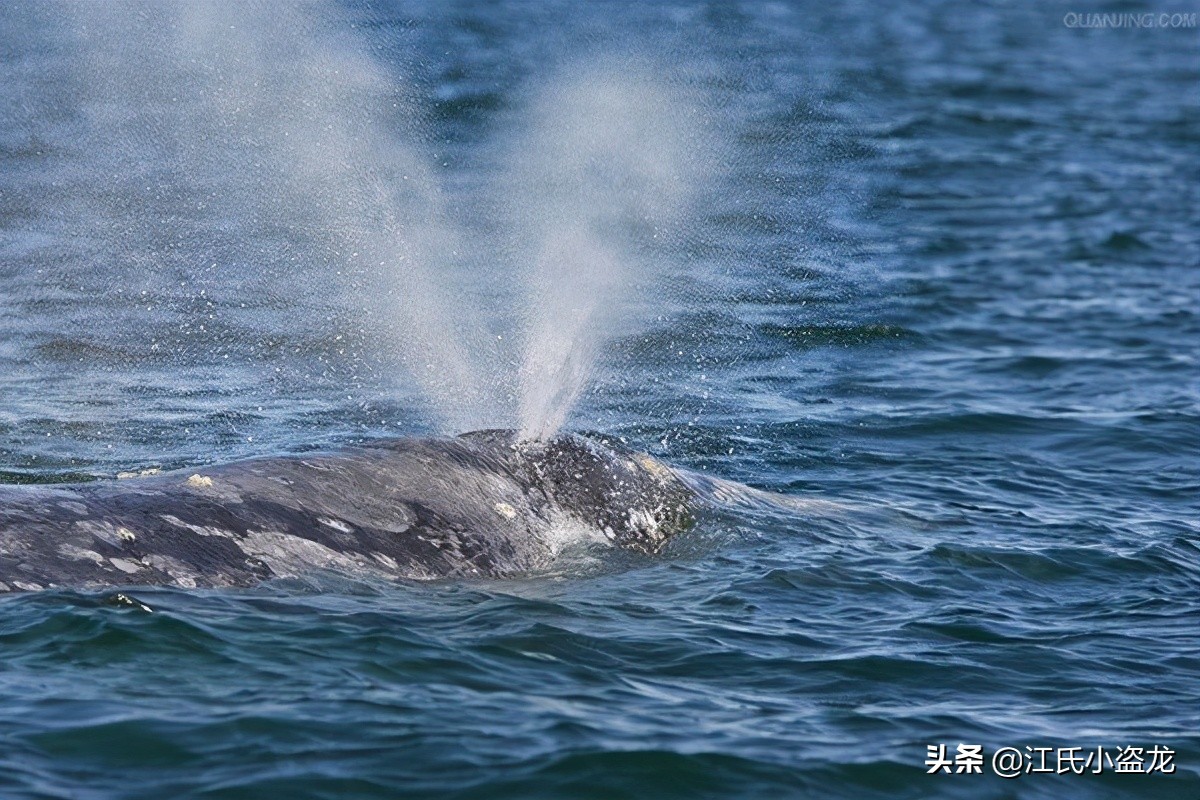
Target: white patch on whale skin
179 572
223 491
27 586
289 556
141 473
73 507
203 530
79 553
386 560
105 531
337 525
661 472
215 488
505 510
566 531
643 521
126 565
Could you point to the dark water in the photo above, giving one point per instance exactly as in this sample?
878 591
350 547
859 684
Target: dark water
948 272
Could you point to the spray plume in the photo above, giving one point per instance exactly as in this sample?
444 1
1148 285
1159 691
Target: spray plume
265 118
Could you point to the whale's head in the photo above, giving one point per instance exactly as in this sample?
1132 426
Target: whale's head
634 499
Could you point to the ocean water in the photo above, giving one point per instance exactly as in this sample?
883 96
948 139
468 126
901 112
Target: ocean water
938 265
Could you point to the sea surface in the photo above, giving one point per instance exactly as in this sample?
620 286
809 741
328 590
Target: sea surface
941 269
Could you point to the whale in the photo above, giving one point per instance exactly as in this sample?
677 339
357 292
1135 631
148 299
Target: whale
481 504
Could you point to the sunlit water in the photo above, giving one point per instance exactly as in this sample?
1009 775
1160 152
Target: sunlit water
944 271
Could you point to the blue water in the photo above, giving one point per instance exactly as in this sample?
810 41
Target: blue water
946 273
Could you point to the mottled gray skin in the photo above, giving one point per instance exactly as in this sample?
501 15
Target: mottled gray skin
477 505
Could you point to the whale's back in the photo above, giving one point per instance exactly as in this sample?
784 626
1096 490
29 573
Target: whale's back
477 505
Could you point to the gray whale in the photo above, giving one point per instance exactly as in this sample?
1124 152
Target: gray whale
481 504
